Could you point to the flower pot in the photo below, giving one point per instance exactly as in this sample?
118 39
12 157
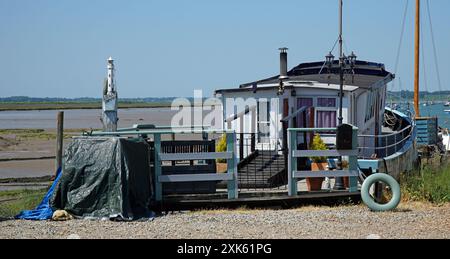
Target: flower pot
315 184
346 182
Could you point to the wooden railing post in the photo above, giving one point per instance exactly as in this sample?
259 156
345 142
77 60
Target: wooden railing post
232 185
292 163
157 167
353 162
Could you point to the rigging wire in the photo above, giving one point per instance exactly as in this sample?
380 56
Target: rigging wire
345 46
332 49
424 70
434 47
397 60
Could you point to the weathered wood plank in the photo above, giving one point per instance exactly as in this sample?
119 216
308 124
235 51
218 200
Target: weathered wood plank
178 178
326 153
319 174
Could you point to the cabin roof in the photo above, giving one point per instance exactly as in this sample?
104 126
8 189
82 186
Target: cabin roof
317 75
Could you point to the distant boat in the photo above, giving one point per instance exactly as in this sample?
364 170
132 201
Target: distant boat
447 111
447 104
429 103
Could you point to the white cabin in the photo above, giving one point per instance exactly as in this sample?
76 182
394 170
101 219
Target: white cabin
311 85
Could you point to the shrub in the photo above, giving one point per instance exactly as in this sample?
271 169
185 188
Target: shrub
222 147
431 184
318 144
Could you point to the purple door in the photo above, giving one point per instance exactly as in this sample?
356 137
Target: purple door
304 102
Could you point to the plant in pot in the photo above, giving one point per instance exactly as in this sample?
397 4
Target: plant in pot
345 166
318 164
222 147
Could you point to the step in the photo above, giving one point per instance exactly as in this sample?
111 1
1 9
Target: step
261 169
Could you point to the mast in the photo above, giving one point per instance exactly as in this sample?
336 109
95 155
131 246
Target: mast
341 64
417 61
339 184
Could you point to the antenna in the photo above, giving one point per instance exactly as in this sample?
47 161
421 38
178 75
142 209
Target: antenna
341 64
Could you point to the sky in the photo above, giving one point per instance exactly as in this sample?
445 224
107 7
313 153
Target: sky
53 48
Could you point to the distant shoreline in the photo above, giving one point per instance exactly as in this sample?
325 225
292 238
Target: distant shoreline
75 106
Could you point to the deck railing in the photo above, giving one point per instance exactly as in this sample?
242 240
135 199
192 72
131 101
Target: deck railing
383 145
230 155
294 153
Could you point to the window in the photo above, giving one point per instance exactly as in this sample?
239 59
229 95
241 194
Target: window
301 102
369 106
326 119
326 102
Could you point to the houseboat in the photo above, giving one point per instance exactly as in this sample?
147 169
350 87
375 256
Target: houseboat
308 96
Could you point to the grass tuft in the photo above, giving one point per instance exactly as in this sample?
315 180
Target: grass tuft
431 184
19 200
33 134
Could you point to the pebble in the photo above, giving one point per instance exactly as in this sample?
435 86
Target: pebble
323 222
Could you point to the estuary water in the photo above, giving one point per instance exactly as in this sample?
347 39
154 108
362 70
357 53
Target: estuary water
85 119
82 119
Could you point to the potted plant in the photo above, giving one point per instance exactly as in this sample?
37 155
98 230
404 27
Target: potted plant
345 166
318 164
222 147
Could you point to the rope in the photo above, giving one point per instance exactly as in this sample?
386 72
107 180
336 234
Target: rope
390 120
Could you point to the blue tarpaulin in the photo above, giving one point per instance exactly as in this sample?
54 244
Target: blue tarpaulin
43 211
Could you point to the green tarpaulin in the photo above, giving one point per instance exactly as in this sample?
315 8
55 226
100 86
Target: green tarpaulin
105 178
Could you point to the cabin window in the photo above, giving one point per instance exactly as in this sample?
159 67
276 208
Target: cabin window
326 102
369 106
302 102
326 119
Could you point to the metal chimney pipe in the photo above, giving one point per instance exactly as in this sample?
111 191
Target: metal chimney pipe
283 63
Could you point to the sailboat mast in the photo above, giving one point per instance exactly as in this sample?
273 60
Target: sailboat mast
417 61
341 64
340 29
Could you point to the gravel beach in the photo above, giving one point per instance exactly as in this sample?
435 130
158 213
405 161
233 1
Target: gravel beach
411 220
